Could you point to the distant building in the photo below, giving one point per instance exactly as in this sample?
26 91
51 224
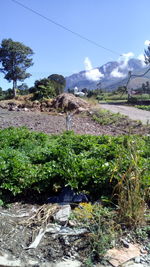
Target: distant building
77 92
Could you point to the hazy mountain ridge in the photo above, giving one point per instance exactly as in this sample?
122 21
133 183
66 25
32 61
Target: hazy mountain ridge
114 74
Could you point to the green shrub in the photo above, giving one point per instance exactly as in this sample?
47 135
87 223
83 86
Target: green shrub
100 221
43 162
143 107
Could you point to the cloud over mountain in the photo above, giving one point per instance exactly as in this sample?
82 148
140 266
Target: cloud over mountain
117 74
92 74
110 74
147 42
124 59
142 59
123 66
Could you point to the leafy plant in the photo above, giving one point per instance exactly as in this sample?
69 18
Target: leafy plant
105 117
143 107
100 222
43 162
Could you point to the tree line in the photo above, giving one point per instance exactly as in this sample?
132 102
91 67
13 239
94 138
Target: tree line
15 59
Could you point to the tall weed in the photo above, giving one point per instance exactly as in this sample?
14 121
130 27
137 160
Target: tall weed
129 189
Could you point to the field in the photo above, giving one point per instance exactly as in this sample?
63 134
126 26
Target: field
106 156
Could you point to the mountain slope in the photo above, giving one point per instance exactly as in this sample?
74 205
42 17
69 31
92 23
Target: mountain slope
113 74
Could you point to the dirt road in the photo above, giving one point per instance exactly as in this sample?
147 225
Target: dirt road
131 112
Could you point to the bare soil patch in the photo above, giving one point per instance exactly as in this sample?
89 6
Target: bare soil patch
55 123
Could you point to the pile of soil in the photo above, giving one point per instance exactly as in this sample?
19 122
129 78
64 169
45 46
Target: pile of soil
69 102
64 102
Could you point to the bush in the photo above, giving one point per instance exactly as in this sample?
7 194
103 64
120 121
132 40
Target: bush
42 162
100 221
143 107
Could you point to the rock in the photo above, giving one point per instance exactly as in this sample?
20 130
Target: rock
52 228
65 263
69 102
120 256
137 260
26 109
125 243
72 223
133 264
63 214
5 261
72 232
103 265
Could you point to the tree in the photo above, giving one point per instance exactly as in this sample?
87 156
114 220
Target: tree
43 88
59 83
23 89
15 58
85 91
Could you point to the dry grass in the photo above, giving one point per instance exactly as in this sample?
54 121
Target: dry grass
42 217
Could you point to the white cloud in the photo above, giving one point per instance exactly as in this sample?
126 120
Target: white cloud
147 42
124 58
88 64
117 74
142 59
92 74
123 65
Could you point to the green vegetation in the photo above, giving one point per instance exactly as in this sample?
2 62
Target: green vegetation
43 163
43 88
48 87
15 58
105 117
59 83
128 190
143 107
100 221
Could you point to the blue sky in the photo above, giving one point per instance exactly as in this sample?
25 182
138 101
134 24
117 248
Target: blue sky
119 25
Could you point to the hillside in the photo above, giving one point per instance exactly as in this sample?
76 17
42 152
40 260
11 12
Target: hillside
113 74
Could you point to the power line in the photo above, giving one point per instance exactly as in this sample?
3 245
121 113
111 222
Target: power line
65 28
135 76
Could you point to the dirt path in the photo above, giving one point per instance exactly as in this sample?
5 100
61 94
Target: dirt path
131 112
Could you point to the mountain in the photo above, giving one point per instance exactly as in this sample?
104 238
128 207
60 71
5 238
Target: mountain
111 74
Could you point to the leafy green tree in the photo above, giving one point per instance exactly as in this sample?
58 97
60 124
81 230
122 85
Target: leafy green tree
15 59
1 91
23 89
8 93
59 83
43 88
147 87
85 90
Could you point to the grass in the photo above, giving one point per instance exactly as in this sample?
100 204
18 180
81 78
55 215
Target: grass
144 107
105 117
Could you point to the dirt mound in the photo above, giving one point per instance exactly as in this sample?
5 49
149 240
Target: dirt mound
26 105
69 102
64 102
